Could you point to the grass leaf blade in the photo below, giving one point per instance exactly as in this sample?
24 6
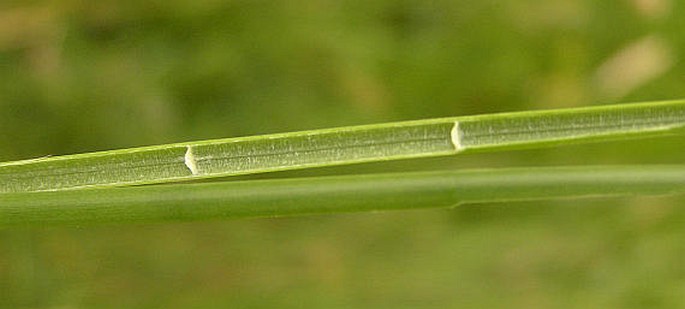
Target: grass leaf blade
355 193
391 141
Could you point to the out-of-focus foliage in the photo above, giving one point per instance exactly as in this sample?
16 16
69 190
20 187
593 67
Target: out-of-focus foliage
80 76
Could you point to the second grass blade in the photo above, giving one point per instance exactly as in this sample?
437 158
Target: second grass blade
352 193
402 140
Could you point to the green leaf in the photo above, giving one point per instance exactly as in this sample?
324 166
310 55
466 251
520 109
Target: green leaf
391 141
281 197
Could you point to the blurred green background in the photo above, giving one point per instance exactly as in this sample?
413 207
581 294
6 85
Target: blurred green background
79 76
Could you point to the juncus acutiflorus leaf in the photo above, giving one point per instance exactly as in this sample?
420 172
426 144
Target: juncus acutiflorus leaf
280 197
390 141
